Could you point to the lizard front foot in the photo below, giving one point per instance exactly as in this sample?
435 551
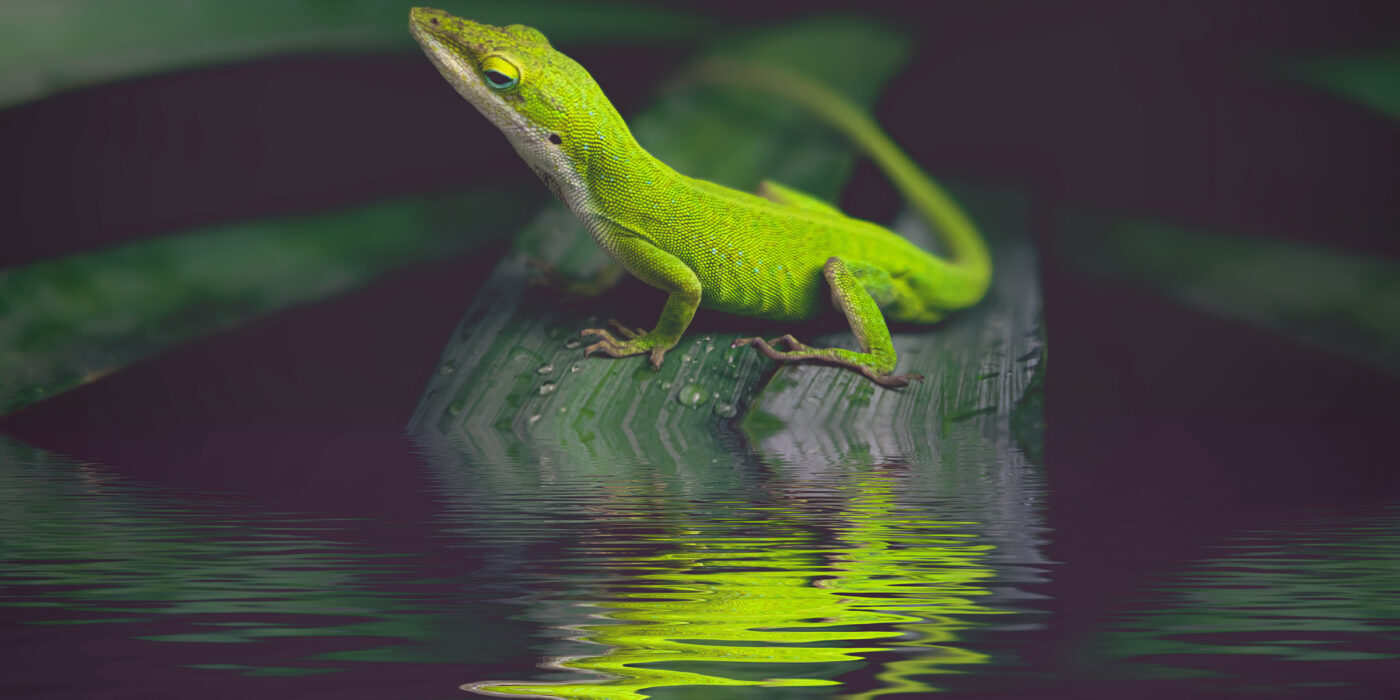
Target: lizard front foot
636 343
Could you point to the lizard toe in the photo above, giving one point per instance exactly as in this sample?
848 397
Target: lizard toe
626 332
895 381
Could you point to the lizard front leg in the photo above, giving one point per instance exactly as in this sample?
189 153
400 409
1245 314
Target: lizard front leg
664 271
875 357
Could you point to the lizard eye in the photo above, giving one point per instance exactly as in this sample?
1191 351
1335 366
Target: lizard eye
500 74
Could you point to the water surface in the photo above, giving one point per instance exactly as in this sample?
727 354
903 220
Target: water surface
758 571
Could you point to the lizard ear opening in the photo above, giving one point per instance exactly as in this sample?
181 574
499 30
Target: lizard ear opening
499 73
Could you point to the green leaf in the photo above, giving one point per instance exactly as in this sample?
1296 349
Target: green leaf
69 321
47 46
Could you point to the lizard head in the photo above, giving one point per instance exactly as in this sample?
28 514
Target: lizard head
539 98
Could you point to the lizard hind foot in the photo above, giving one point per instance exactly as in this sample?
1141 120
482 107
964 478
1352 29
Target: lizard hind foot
858 361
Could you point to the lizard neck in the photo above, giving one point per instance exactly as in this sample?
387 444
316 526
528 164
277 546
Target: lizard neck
598 164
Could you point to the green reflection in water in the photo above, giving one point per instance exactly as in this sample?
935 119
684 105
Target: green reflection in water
83 547
770 599
1322 590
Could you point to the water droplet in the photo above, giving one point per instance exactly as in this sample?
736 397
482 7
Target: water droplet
455 407
573 344
724 409
448 367
534 418
548 388
666 385
546 369
576 367
692 395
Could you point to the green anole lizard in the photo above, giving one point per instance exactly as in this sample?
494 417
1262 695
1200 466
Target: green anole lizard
767 255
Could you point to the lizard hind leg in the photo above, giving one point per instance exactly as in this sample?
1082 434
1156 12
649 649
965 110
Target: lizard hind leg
875 356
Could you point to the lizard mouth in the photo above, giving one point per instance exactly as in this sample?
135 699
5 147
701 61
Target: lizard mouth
445 40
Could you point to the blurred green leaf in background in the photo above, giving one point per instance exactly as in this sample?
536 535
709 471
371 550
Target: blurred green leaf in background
51 45
69 321
1345 303
1371 78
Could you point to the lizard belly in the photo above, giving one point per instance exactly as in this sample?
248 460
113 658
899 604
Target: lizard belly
758 296
760 282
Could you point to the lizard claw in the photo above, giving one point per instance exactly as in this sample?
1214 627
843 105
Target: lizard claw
656 355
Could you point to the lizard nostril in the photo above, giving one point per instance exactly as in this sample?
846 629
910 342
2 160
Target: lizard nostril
434 21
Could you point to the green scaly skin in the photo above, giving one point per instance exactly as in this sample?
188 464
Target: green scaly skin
767 255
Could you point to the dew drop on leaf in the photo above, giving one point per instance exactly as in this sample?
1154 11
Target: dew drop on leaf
692 395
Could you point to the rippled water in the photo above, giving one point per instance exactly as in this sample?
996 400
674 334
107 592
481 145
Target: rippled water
770 571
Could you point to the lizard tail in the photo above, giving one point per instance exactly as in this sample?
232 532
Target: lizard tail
966 249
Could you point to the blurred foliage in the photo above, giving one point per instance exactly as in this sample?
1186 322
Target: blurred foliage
69 321
1346 303
47 46
1371 78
